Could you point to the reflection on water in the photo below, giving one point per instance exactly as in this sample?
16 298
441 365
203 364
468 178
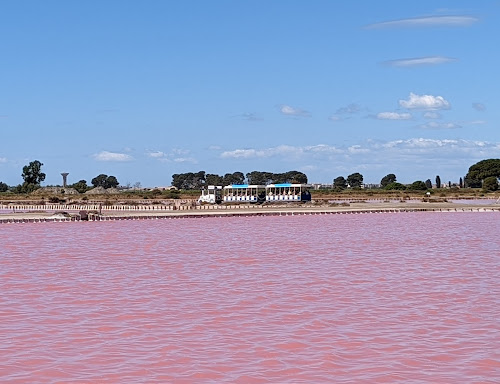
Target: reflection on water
368 298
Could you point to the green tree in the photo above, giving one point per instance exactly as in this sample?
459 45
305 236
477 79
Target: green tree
480 171
490 183
189 180
259 178
99 181
461 183
438 182
81 186
105 181
32 173
417 186
213 179
112 182
355 180
234 178
3 187
395 186
388 179
428 183
340 183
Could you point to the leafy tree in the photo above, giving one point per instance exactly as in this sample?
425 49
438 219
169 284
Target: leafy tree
296 177
234 178
189 180
81 186
428 183
111 182
395 186
480 171
490 183
259 178
32 173
388 179
340 183
105 181
355 180
213 179
3 187
438 182
461 183
99 181
417 186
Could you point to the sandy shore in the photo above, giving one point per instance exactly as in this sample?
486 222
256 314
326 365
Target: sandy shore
364 207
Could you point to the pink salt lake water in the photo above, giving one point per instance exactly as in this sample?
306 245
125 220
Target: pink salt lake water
360 298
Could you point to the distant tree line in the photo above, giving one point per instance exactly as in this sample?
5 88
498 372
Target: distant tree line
199 179
484 174
33 177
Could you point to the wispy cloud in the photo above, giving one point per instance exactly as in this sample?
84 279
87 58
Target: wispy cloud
293 111
419 61
185 160
393 116
250 117
176 155
112 156
432 115
436 125
425 22
414 146
423 145
350 109
428 102
345 112
479 107
156 154
3 159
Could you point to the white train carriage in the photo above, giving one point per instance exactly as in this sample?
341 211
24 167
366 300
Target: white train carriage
287 192
244 193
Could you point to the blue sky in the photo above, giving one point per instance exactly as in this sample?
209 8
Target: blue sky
145 89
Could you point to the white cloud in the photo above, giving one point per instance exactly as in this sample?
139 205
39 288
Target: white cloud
111 156
156 154
430 21
479 107
176 155
436 125
419 145
335 118
292 111
324 151
415 158
184 160
282 150
432 115
3 159
428 102
394 116
419 61
357 149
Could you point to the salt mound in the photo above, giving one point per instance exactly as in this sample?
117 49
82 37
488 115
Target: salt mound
102 191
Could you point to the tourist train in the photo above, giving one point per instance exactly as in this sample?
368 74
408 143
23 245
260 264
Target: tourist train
244 193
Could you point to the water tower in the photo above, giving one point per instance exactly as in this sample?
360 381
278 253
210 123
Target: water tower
64 175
